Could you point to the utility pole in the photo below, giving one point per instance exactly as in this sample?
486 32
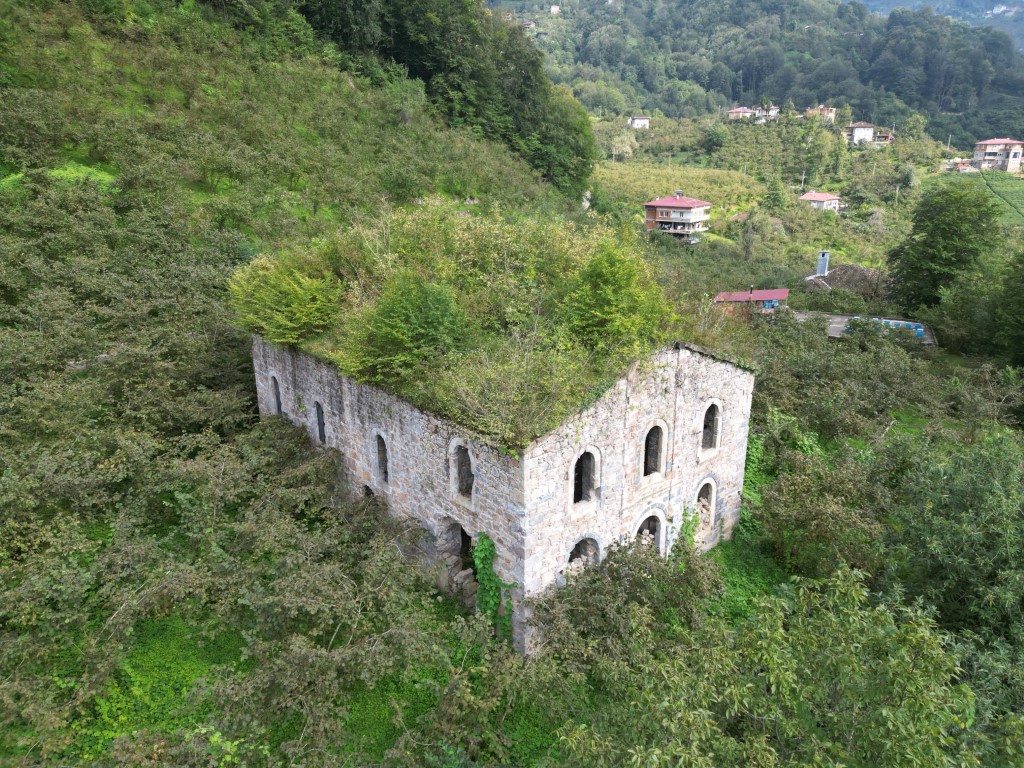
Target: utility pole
873 168
949 141
897 194
802 177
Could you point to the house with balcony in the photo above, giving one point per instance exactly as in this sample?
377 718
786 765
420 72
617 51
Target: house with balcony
998 155
678 215
821 201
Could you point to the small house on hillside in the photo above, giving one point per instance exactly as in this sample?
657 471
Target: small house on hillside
821 201
998 155
740 113
859 133
678 215
764 114
825 114
761 302
639 122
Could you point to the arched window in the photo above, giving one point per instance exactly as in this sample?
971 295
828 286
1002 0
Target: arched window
382 459
463 471
649 528
585 553
583 478
712 427
321 427
277 395
652 451
706 504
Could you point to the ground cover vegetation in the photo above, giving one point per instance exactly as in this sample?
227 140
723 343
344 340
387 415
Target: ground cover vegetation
181 584
688 59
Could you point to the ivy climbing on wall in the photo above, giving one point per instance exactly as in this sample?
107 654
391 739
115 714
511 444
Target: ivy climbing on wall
491 590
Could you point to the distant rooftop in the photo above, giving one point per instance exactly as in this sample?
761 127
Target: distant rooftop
770 294
860 125
998 141
678 201
819 197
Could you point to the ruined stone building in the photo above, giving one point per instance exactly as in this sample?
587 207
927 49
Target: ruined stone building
666 442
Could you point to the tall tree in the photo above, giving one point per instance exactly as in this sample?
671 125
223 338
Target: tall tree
954 224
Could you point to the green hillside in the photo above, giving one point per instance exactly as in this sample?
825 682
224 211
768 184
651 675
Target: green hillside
690 58
185 584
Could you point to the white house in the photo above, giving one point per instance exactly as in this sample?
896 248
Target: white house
678 215
998 154
639 122
821 201
859 133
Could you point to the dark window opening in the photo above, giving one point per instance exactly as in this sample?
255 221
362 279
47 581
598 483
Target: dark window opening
321 426
466 550
712 421
652 452
586 553
583 478
382 459
464 471
277 395
649 527
367 492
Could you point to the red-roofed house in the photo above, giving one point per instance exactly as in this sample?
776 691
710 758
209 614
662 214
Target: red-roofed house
678 215
998 154
757 301
821 201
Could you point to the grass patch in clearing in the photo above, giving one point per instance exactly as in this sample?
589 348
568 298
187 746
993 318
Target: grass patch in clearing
748 572
153 684
73 172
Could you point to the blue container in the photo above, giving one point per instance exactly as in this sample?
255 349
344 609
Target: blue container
919 333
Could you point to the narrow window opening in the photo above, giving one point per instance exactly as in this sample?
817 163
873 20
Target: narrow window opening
712 423
652 452
583 478
647 533
277 395
382 459
464 471
321 426
367 492
466 550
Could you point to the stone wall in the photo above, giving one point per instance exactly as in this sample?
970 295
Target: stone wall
527 505
420 472
672 390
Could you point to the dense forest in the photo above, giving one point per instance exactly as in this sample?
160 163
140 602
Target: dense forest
183 584
690 58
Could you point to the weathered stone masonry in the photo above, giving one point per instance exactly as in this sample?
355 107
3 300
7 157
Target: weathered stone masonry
633 479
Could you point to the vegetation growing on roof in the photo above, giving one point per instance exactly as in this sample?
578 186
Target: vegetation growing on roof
505 322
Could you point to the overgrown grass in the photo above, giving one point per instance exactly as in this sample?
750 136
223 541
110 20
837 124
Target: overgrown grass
155 684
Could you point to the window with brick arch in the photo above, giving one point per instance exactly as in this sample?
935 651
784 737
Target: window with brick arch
648 531
652 451
583 478
712 427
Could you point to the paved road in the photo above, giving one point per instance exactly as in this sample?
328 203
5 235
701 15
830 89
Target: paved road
837 324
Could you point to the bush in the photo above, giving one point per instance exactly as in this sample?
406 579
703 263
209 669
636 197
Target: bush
285 299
